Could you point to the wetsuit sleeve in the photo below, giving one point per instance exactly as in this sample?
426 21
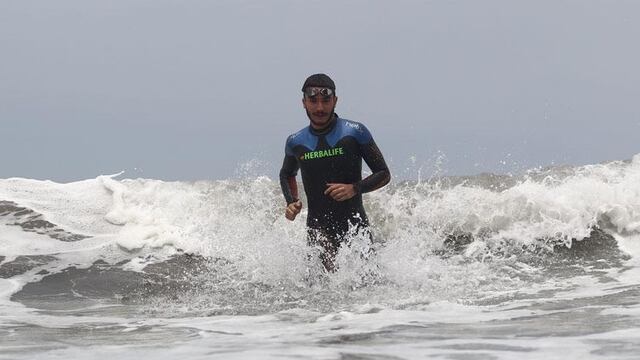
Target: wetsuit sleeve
288 176
380 172
373 157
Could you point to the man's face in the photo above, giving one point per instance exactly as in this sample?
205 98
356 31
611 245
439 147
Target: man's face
319 109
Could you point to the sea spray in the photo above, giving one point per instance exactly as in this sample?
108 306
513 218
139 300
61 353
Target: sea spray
447 239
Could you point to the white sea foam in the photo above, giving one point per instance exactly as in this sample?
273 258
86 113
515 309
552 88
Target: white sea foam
507 277
226 217
241 220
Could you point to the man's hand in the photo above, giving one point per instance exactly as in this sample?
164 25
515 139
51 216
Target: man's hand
293 210
340 192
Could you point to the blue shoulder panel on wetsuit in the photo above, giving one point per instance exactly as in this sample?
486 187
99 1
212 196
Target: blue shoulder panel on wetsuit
303 137
346 128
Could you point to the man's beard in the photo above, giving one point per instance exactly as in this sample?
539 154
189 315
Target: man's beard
329 116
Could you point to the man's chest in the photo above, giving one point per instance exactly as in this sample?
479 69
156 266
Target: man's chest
341 156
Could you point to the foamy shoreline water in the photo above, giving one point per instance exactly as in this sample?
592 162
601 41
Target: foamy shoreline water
130 268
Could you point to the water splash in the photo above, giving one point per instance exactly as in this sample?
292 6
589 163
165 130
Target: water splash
224 246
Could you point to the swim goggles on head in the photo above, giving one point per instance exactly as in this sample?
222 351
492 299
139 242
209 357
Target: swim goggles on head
314 91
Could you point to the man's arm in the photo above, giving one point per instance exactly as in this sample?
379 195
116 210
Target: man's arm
290 187
288 183
288 179
380 172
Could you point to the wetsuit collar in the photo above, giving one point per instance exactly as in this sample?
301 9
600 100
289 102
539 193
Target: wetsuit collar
327 128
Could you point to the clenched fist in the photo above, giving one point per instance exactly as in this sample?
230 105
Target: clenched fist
293 210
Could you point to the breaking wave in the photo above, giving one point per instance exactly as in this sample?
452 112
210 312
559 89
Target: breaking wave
223 247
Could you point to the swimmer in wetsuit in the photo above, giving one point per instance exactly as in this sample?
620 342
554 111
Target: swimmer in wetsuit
329 154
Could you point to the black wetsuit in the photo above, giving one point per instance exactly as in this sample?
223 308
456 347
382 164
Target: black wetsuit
333 155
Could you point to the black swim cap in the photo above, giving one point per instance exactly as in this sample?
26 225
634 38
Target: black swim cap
319 80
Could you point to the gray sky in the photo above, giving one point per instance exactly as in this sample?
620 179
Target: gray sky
185 90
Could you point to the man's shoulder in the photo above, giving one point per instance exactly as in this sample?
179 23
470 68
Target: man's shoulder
303 137
298 135
354 129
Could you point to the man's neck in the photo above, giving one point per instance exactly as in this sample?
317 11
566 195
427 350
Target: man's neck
325 128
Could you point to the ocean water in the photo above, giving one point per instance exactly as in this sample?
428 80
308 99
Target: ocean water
543 265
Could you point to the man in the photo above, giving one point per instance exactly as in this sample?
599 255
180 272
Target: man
329 153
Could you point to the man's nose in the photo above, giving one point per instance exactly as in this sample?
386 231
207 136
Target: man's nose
317 105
